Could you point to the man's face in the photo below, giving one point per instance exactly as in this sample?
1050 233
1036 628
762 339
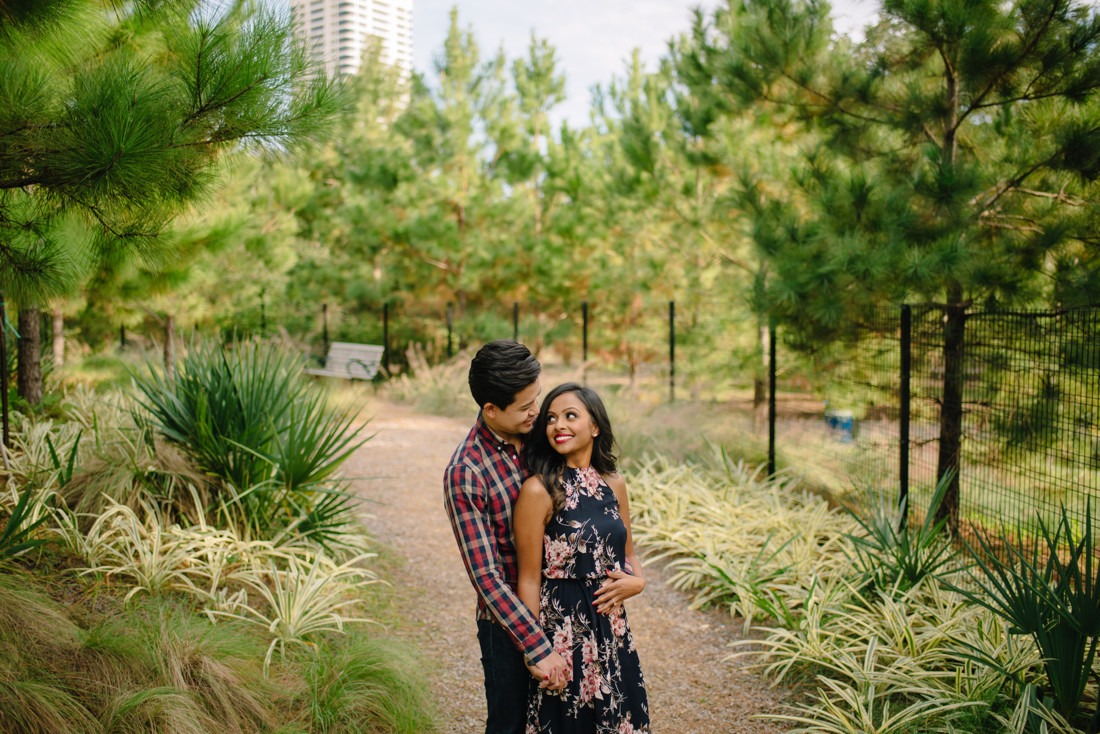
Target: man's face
518 418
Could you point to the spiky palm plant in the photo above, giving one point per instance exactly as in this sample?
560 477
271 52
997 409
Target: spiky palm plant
247 417
1048 589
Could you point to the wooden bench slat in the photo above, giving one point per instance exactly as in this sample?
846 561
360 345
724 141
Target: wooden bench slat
350 360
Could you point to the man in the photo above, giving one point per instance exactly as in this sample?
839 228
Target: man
480 486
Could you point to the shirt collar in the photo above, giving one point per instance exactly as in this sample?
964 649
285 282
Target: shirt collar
491 436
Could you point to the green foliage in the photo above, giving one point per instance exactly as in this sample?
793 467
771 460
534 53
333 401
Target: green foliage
921 150
106 141
364 684
1049 591
158 665
17 534
305 598
246 416
893 556
926 658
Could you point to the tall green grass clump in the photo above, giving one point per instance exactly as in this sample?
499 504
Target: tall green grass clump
245 415
354 687
157 666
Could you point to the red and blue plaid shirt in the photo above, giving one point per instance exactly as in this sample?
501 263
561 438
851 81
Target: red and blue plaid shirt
480 486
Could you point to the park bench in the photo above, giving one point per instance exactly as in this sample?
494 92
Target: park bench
350 361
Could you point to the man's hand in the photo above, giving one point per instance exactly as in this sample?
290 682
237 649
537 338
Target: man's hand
552 672
617 588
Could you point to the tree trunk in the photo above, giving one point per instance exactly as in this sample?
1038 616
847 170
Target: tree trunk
170 347
951 412
58 323
30 355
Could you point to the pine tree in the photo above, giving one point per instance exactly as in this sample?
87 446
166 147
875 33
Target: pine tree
951 158
112 115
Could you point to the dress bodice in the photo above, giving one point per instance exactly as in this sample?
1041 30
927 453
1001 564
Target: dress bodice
587 538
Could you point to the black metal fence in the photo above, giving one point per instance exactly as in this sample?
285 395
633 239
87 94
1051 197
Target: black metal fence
1030 409
1030 412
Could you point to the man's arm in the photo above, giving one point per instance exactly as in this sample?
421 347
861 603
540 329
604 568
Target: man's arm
465 501
621 585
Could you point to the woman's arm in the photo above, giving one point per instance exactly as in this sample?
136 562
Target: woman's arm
529 517
621 585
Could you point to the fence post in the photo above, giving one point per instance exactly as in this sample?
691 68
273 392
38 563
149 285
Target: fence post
672 351
515 321
324 326
121 336
386 335
903 412
4 367
771 396
450 325
584 342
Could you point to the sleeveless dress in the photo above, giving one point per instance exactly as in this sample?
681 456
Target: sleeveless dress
606 694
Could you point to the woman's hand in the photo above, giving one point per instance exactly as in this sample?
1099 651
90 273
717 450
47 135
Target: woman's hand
617 588
552 672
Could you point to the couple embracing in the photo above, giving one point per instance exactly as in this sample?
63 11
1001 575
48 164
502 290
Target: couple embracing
543 524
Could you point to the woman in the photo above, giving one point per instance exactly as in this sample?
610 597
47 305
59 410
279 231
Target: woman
577 565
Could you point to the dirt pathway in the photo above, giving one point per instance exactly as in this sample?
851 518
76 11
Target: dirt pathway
692 688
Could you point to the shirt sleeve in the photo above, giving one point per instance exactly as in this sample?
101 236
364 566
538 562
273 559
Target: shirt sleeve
464 497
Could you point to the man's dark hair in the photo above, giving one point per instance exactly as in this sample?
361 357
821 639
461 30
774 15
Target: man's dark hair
499 370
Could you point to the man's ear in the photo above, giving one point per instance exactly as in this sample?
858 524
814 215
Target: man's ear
490 411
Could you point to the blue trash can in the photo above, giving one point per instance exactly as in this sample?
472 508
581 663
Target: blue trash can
841 424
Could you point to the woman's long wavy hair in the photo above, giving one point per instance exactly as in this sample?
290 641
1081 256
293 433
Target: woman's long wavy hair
545 462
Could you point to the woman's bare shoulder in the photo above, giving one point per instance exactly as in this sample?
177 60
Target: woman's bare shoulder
615 481
534 488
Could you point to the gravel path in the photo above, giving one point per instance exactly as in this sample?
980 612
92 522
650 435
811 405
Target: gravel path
692 688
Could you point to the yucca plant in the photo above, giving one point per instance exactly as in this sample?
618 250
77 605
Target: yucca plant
246 416
891 554
1049 590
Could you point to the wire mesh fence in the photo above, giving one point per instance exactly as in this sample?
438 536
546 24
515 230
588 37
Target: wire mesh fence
1030 408
1032 400
1030 418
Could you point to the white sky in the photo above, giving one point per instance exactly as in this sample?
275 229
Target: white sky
593 38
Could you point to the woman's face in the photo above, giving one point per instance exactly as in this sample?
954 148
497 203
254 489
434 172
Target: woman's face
569 426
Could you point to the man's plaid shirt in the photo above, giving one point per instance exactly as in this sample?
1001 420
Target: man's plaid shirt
480 486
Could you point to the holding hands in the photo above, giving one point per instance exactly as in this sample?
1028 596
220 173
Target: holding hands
552 672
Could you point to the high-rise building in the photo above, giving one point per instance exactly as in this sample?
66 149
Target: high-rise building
339 31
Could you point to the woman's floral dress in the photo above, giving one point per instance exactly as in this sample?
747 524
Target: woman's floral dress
583 542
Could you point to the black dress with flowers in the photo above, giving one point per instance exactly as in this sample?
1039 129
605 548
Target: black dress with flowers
583 542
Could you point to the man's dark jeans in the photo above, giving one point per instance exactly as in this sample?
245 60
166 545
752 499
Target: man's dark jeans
507 680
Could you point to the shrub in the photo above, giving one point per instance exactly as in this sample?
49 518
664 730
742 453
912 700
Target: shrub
1051 592
895 557
245 415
